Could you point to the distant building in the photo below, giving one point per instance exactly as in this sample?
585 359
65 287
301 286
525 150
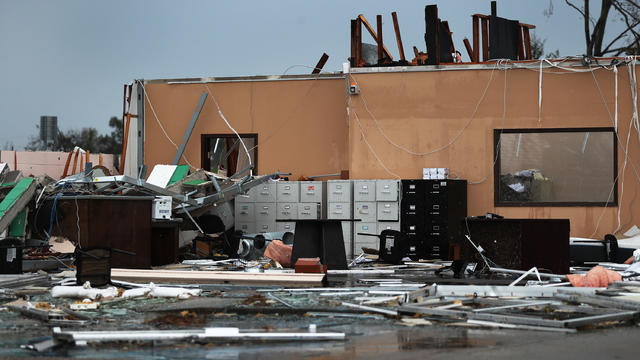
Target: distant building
49 129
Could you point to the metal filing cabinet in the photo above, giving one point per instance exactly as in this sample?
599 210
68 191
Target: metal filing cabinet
310 191
286 211
285 226
339 210
365 211
308 211
361 241
288 191
244 212
431 214
338 191
386 190
364 190
266 192
387 211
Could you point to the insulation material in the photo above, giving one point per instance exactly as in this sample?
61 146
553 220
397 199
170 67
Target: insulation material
596 277
278 251
84 291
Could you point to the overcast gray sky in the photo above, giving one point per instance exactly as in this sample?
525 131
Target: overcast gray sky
69 58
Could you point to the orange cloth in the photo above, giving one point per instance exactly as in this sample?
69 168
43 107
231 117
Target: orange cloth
278 251
596 277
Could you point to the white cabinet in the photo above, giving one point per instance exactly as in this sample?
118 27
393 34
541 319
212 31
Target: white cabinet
364 190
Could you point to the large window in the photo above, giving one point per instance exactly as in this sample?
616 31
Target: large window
555 167
224 154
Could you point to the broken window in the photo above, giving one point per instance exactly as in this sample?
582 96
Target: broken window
555 167
225 154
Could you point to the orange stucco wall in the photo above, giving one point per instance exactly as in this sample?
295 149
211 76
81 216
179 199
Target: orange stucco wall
434 113
308 127
301 124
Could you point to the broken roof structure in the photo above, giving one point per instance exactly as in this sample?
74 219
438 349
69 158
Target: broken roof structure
542 152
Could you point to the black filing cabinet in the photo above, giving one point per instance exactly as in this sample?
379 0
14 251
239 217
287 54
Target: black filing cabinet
431 214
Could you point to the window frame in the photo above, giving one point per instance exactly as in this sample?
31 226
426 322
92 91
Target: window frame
205 162
496 169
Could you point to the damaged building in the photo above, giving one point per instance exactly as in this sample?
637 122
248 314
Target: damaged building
415 191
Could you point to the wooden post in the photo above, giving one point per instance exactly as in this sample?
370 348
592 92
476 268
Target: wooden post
352 59
476 39
431 37
469 50
527 43
485 39
396 27
66 165
494 11
125 139
380 50
359 61
320 64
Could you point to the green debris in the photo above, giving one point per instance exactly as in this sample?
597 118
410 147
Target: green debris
179 174
14 195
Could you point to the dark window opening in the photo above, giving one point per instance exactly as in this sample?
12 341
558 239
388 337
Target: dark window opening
556 167
225 155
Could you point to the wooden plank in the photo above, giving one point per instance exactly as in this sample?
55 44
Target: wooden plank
396 27
358 42
476 39
469 50
485 39
379 39
320 64
432 24
373 34
217 277
352 59
527 42
15 201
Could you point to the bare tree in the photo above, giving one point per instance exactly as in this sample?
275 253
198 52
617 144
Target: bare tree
627 41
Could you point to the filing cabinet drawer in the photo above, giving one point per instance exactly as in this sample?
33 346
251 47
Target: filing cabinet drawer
386 190
364 190
340 210
287 211
244 212
339 191
265 212
265 226
249 197
387 210
388 226
365 211
246 227
308 211
265 192
310 191
286 226
288 191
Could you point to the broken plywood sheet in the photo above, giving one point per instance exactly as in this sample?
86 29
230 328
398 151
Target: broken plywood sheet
216 277
15 201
